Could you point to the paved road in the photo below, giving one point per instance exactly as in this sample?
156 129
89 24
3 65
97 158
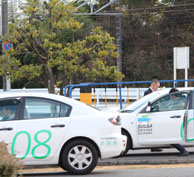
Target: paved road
119 172
167 156
137 164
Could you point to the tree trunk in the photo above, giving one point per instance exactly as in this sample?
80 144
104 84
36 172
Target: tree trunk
61 90
51 87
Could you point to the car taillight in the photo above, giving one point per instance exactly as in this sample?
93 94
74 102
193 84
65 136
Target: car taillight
115 120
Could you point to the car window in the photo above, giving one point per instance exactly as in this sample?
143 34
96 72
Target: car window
37 108
8 109
137 104
64 110
171 102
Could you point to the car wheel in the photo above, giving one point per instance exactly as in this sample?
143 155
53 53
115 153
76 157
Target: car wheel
128 145
79 157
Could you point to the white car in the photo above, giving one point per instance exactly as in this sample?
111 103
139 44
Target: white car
159 120
48 129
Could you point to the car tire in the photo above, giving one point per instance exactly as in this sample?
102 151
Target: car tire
128 145
79 157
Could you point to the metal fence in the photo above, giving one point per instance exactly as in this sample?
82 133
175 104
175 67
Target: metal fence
122 91
114 93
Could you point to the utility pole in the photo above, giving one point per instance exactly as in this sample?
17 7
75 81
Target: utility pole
118 19
4 11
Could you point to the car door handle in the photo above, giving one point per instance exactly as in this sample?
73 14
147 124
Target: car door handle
58 126
6 129
176 116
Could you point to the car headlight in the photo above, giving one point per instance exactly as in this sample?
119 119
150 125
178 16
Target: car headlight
115 120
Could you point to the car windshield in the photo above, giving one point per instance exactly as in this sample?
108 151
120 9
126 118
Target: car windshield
135 105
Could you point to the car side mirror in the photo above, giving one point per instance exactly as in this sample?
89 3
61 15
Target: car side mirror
148 109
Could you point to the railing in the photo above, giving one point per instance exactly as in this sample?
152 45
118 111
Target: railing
134 93
125 94
122 95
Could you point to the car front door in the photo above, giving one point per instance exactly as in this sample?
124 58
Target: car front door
163 123
9 112
42 130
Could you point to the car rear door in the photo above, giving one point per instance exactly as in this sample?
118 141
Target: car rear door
163 124
9 112
42 130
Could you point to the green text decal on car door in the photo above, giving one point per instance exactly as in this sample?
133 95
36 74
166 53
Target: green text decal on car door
39 143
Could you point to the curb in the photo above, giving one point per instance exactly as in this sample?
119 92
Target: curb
137 159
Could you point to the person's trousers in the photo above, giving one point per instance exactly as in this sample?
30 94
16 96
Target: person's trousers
179 147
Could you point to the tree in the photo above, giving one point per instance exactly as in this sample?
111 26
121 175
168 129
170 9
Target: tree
47 32
149 36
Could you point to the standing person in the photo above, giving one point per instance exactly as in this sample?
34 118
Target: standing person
153 87
155 84
179 147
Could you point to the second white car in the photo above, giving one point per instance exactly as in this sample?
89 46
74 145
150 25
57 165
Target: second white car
159 120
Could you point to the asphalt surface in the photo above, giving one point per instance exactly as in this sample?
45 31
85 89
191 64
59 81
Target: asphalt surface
137 157
134 159
154 172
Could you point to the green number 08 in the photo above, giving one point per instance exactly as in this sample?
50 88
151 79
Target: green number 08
39 143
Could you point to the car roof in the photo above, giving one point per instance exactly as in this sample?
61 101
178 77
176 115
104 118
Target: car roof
166 90
11 94
63 98
41 95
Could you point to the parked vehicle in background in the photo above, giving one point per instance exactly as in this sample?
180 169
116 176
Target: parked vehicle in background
47 129
159 120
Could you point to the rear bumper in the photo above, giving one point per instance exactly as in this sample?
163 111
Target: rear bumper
112 146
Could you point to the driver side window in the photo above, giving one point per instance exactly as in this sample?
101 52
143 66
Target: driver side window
171 102
8 109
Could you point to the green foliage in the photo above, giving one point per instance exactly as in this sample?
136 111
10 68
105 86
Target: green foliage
89 57
48 40
12 66
61 48
149 35
8 164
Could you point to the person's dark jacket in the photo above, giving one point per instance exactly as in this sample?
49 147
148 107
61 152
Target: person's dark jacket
148 91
